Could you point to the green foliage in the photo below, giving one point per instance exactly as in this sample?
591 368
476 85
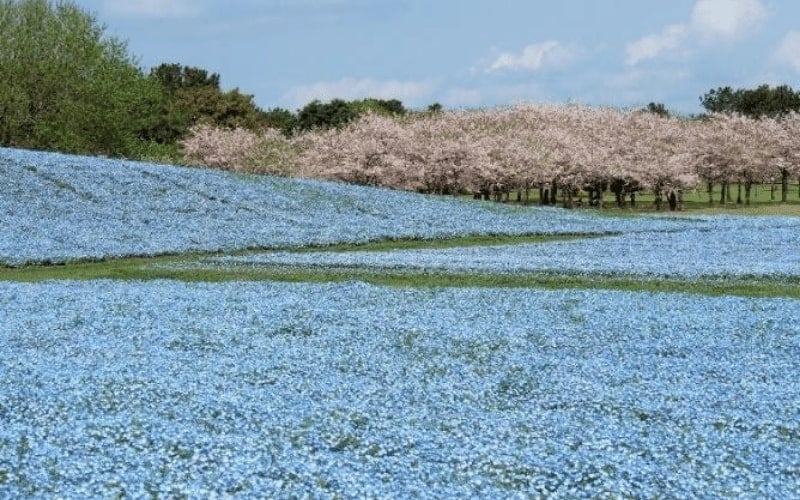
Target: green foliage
316 114
763 101
174 77
339 112
64 85
280 119
658 109
156 152
192 97
435 108
379 106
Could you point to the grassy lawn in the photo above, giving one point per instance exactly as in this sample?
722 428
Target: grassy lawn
764 200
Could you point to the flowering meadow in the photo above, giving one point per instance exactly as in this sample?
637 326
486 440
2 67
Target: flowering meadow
726 247
262 389
241 387
57 208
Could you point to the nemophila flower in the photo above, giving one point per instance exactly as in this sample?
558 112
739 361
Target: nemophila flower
58 207
730 246
265 389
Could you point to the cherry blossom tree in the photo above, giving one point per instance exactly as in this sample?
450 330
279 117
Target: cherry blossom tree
241 150
557 149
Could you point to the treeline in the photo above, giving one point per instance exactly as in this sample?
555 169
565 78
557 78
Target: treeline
561 151
67 86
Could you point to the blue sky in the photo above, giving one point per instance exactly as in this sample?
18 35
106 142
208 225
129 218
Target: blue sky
469 53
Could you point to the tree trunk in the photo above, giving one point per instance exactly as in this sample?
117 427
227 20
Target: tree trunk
672 198
722 192
544 195
633 199
784 185
620 197
739 193
553 193
710 194
747 186
567 196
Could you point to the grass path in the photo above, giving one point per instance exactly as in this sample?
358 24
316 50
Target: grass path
175 266
189 267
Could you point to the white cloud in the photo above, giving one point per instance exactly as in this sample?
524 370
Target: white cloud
151 8
410 92
710 21
788 52
727 18
651 46
533 57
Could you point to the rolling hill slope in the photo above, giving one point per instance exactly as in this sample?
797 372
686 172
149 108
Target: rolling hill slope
57 208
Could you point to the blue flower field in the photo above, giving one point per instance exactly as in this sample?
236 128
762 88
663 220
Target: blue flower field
265 389
58 208
157 388
722 247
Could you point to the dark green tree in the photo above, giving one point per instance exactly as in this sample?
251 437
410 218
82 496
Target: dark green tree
174 77
435 108
339 112
763 101
65 85
380 106
658 109
193 96
317 114
281 119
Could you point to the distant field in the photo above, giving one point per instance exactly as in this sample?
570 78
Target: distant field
172 332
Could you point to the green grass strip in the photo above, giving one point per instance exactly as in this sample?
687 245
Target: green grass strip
134 269
190 268
707 286
456 242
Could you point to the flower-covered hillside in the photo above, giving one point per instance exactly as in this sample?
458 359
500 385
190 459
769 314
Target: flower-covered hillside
56 208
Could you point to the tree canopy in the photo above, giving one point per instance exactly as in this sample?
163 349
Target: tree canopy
763 101
193 96
65 85
339 112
